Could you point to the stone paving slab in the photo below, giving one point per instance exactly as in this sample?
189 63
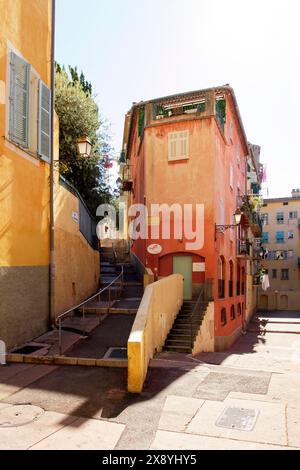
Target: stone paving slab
293 425
180 441
83 435
58 431
270 427
23 437
217 385
20 380
178 412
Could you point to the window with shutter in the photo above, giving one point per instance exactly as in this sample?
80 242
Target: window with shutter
44 122
178 145
19 100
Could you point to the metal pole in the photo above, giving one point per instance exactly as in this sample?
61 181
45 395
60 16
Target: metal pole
59 337
83 321
51 214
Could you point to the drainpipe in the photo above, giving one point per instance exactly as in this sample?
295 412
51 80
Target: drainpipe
52 259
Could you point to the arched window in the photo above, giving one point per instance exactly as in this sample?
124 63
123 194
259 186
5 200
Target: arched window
239 310
223 316
221 279
238 279
230 283
232 312
243 281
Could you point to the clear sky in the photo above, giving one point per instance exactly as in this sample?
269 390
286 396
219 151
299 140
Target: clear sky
134 50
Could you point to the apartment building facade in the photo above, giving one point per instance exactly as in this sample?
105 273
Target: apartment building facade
281 238
191 148
25 151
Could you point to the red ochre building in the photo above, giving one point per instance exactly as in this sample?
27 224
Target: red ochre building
192 148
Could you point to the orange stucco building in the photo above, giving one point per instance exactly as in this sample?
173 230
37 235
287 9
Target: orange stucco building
191 148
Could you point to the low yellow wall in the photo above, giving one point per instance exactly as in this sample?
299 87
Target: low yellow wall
205 340
77 264
159 307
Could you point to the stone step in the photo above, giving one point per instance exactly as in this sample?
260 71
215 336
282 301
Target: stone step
180 349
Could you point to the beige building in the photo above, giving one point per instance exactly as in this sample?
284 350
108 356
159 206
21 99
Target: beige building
281 238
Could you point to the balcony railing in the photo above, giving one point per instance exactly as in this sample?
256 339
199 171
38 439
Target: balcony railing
243 248
127 178
249 206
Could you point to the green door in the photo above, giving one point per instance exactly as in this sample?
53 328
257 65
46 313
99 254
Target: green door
184 265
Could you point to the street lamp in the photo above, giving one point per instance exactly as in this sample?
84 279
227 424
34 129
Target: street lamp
84 145
221 228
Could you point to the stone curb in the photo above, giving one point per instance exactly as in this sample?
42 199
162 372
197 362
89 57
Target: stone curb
66 361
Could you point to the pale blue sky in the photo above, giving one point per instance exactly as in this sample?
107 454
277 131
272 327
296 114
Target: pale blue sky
134 50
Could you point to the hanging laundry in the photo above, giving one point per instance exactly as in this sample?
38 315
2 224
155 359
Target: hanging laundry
265 282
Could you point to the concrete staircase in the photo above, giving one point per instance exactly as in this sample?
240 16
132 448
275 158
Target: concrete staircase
185 328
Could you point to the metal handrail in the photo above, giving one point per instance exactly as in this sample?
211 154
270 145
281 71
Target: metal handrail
63 315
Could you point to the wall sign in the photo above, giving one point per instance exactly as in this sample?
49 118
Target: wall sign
154 249
75 216
198 267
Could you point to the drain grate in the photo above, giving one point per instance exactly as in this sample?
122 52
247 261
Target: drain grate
28 349
242 419
116 353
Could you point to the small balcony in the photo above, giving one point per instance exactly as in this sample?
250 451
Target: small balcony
249 206
127 178
243 249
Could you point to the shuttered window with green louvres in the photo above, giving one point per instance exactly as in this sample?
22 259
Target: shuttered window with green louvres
44 122
44 129
19 100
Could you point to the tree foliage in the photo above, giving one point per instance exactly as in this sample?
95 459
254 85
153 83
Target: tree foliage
78 115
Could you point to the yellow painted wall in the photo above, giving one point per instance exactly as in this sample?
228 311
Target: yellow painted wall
77 264
24 177
274 297
205 340
160 304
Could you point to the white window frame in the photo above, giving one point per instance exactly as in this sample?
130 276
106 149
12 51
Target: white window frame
176 140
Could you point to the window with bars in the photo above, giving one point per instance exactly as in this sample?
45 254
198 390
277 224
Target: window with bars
178 145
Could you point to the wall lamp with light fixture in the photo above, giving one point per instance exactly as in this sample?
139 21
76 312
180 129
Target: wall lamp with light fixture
222 228
84 146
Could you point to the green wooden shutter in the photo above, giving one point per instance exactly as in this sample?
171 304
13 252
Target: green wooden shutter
44 122
19 100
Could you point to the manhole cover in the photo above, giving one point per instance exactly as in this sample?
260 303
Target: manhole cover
242 419
19 415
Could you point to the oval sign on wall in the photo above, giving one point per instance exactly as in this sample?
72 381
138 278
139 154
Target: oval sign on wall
154 249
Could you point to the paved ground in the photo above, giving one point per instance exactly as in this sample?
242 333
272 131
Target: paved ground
47 407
